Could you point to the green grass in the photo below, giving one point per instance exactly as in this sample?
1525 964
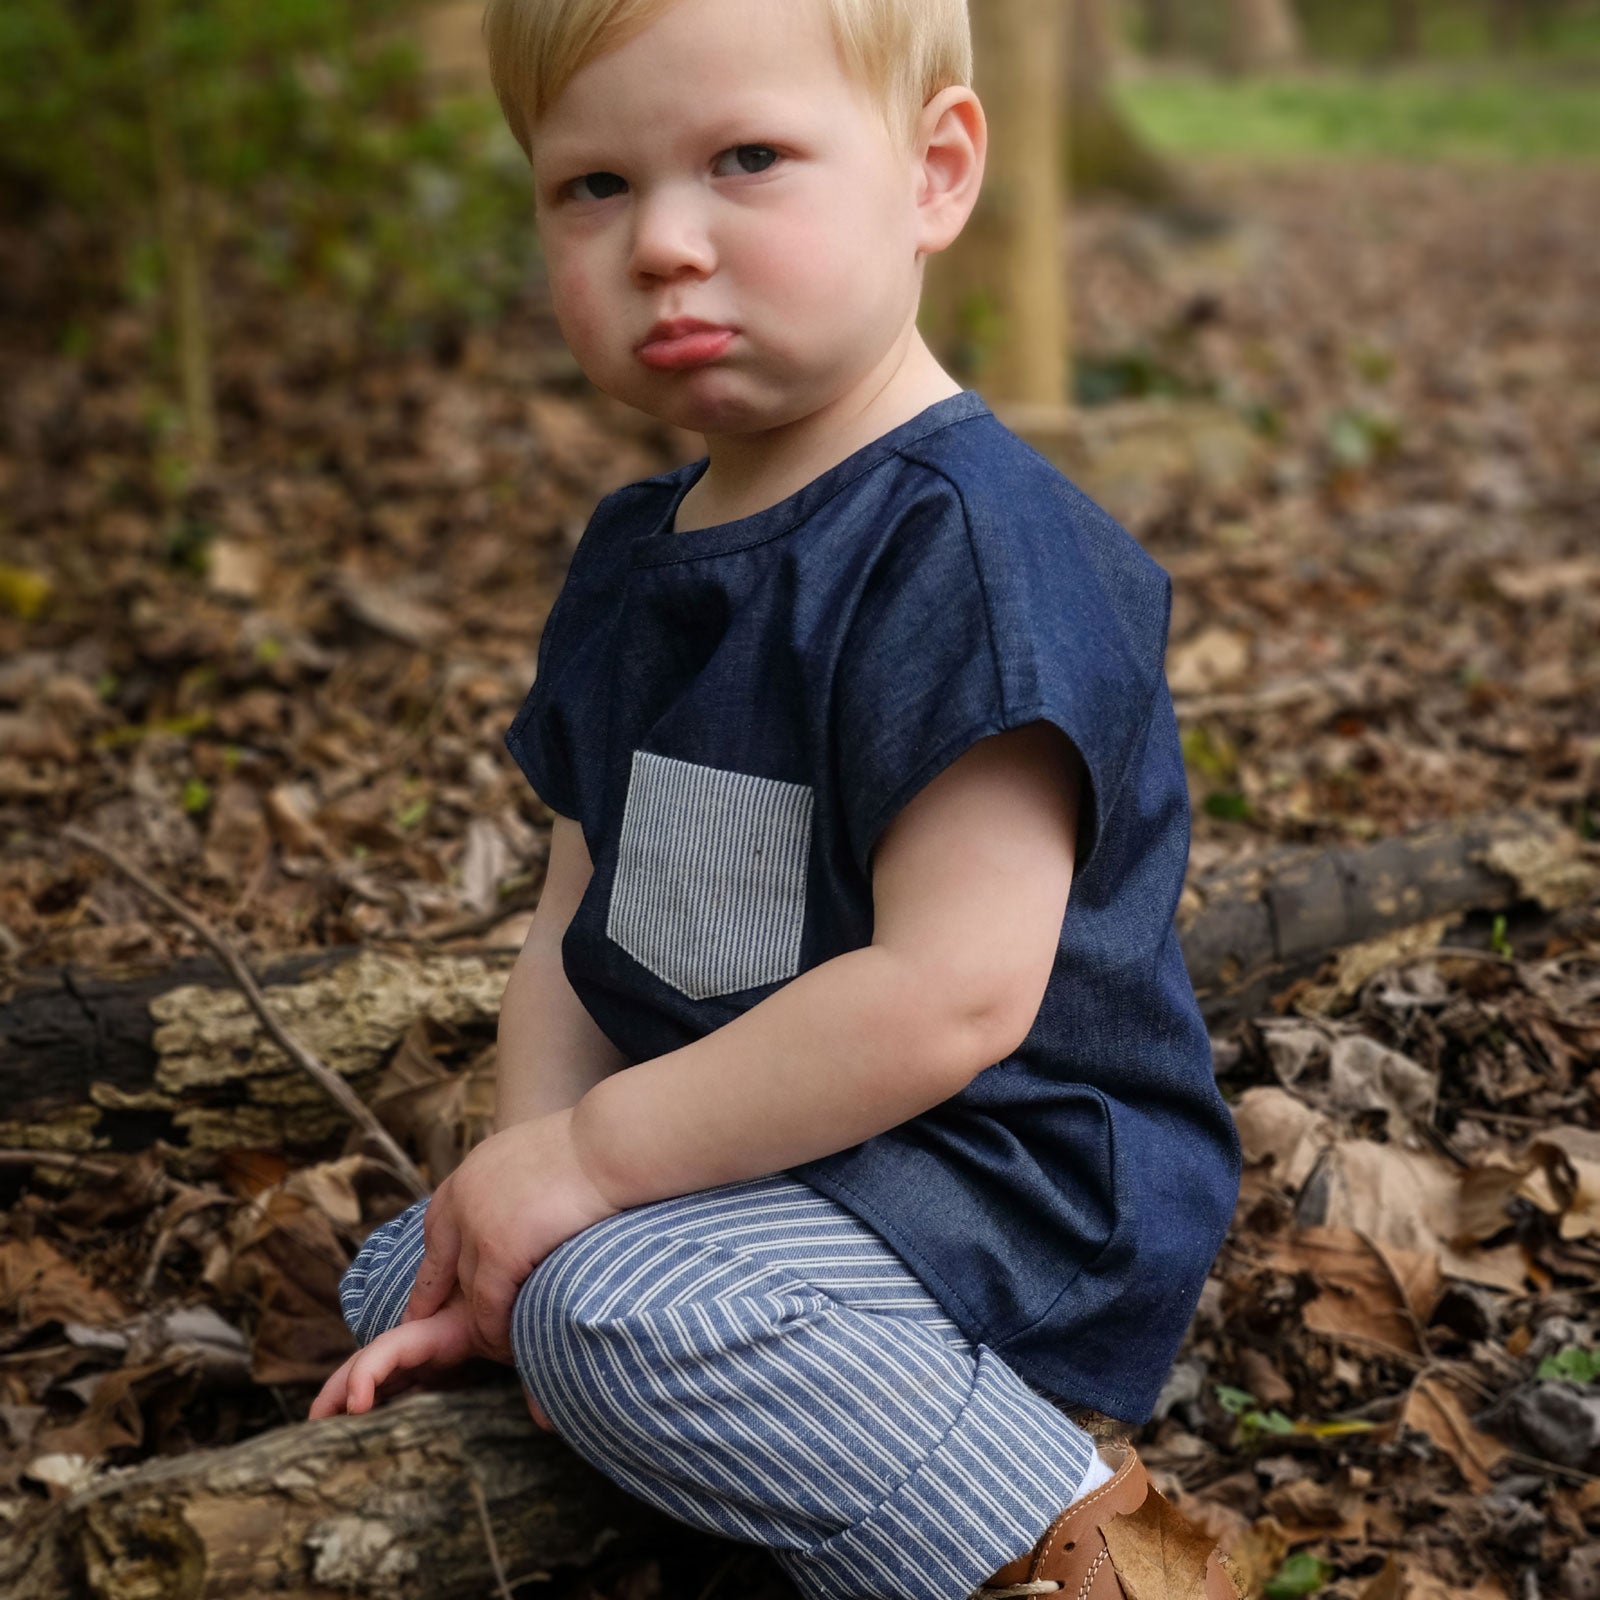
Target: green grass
1407 114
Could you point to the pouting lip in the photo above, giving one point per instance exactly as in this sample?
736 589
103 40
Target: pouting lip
677 327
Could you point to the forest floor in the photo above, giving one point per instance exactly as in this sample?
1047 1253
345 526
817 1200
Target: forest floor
282 689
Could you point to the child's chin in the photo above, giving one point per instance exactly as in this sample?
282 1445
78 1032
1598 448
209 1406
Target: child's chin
701 408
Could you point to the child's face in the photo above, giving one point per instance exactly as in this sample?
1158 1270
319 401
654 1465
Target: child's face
722 166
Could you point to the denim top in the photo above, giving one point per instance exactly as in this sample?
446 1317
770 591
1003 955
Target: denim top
733 714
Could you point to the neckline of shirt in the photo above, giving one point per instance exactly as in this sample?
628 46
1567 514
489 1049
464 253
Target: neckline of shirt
662 543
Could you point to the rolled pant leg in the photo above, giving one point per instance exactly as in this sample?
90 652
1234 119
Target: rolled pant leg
755 1361
376 1285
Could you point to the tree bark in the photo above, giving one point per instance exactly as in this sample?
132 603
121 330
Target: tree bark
115 1060
1164 33
1262 34
1013 255
1103 150
1405 29
380 1505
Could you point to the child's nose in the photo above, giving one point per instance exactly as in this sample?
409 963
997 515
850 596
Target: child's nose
669 235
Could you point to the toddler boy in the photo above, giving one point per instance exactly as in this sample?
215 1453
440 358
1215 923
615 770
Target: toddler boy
855 1118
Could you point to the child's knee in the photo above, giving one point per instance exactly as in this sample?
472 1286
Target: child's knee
377 1283
565 1324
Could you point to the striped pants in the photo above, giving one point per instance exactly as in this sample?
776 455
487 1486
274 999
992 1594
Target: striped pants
756 1362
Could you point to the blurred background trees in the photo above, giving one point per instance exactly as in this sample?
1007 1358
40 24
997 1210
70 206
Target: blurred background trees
340 149
165 142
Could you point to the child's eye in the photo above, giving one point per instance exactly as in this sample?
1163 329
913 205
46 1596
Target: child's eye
601 179
763 154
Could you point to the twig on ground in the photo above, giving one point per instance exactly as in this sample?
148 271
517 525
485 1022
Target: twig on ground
488 1532
335 1086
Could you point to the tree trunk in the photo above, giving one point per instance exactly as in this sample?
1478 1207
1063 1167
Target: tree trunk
1164 33
379 1505
90 1061
1405 29
1014 245
1103 151
1255 928
1262 35
183 246
1508 21
989 308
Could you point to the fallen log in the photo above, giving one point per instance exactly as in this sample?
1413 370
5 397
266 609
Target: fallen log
1250 930
117 1060
412 1501
114 1061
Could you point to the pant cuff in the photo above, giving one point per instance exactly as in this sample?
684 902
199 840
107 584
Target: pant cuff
1008 1466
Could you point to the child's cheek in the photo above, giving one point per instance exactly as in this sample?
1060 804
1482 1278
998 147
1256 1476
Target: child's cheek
579 310
804 263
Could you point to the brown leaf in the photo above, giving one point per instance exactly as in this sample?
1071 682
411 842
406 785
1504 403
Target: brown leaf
1574 1153
38 1285
1387 1584
1486 1189
1428 1586
1309 1509
1359 1295
1433 1409
1258 1553
1158 1554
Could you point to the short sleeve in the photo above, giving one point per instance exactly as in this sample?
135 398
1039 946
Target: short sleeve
536 741
537 738
976 619
537 748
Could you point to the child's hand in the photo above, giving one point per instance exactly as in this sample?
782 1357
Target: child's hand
413 1350
514 1198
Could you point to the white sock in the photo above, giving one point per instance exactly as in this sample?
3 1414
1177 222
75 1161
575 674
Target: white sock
1097 1474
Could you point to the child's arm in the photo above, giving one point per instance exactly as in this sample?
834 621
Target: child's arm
970 885
550 1050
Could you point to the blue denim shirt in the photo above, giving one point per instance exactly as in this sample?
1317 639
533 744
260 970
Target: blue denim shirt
734 713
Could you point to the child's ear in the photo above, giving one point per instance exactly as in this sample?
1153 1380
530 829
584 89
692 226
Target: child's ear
951 141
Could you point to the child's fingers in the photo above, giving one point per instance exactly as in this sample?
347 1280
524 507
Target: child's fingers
374 1366
436 1272
363 1390
492 1294
331 1397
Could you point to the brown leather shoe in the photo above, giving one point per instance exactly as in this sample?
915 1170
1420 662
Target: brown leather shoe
1074 1558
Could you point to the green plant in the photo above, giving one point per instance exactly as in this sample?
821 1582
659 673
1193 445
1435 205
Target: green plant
297 134
1301 1575
1574 1363
1253 1422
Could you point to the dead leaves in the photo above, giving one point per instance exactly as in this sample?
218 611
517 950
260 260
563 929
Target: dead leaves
1157 1552
38 1285
1415 1264
1433 1408
1366 1291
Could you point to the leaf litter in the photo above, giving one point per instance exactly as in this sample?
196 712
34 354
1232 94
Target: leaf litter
282 691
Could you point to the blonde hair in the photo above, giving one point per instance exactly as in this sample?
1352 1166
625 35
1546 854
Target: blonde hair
902 51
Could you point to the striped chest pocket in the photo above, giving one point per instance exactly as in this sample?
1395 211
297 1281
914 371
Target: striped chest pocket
710 887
